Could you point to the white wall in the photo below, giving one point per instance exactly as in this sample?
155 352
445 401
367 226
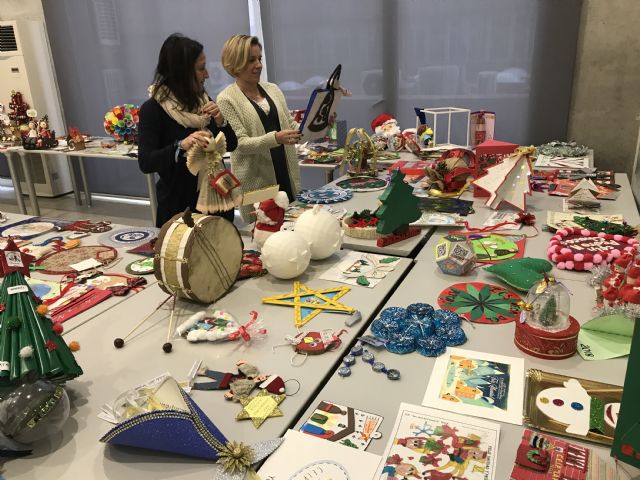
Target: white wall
21 9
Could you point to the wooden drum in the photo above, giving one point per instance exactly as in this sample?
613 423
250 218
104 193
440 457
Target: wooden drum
198 263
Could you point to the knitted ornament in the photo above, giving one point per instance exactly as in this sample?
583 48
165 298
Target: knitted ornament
521 273
582 249
74 346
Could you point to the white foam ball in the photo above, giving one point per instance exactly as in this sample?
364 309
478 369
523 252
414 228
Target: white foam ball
286 254
322 231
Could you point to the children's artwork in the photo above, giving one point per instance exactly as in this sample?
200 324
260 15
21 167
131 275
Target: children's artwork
308 303
446 205
344 425
626 441
478 384
481 302
543 457
144 266
260 407
363 184
604 337
506 220
325 195
492 247
32 227
44 289
574 163
434 445
438 220
357 268
128 237
302 457
574 407
581 249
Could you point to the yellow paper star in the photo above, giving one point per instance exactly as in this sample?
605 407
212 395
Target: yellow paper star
261 407
308 303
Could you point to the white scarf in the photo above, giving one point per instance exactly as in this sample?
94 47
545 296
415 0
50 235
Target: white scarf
174 108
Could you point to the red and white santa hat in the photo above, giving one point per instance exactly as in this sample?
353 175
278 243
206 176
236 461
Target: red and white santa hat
274 384
379 120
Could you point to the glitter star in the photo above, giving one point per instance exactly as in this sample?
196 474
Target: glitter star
261 407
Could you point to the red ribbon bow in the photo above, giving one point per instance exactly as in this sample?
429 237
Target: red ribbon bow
243 330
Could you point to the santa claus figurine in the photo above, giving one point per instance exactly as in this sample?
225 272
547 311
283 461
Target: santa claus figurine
270 217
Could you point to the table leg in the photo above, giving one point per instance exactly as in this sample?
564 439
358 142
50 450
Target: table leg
26 168
153 199
74 184
85 183
16 182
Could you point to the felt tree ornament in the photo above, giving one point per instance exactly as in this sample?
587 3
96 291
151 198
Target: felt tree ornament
30 343
399 206
217 185
508 181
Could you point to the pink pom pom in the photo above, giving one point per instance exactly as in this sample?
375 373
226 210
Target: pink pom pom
615 253
562 232
578 257
569 265
602 234
585 232
565 251
561 265
597 258
551 251
554 257
617 237
588 265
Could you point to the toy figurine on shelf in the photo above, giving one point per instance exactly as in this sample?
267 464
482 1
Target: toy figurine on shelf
75 140
18 113
46 137
546 330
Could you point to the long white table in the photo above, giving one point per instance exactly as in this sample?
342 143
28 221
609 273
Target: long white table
75 452
374 393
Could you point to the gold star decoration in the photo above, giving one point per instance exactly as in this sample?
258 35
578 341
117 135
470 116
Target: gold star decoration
260 407
308 303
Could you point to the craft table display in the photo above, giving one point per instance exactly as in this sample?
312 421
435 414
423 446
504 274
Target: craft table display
374 393
119 267
77 452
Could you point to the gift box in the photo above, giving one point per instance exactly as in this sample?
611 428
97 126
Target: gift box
547 345
410 167
489 153
482 127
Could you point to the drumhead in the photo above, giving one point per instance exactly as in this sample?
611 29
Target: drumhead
212 253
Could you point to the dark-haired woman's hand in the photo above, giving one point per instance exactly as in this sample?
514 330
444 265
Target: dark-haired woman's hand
211 109
199 137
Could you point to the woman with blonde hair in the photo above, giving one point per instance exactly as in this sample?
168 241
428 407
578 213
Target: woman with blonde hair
259 115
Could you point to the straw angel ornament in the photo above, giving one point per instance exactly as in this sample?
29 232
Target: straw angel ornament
218 187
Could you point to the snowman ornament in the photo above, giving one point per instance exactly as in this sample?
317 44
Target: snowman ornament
572 405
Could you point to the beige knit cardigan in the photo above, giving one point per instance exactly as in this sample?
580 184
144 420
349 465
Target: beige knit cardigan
251 160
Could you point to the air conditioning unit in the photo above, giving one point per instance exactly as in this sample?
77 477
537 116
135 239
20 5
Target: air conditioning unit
26 66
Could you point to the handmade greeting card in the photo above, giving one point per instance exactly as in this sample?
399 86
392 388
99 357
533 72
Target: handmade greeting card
357 268
302 457
341 424
431 444
543 457
481 302
574 407
493 247
479 384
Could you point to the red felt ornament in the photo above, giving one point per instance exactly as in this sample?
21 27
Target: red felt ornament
50 345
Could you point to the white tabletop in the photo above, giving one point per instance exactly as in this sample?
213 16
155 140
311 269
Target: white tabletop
76 453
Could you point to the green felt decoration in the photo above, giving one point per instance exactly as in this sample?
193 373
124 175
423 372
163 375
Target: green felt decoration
399 207
389 260
521 273
362 280
606 227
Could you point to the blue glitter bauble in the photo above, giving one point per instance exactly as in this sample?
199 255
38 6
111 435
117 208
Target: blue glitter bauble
394 312
452 336
401 344
420 310
383 328
431 346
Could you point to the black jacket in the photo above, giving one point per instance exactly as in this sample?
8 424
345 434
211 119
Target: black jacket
157 136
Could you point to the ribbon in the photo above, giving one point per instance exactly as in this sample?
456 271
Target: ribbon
244 331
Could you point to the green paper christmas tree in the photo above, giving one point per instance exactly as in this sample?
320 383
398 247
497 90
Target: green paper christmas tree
399 206
548 315
29 347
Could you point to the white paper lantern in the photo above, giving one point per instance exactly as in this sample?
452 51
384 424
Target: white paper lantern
286 254
322 230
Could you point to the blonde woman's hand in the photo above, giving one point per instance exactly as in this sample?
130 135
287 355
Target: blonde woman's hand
287 137
199 137
211 109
